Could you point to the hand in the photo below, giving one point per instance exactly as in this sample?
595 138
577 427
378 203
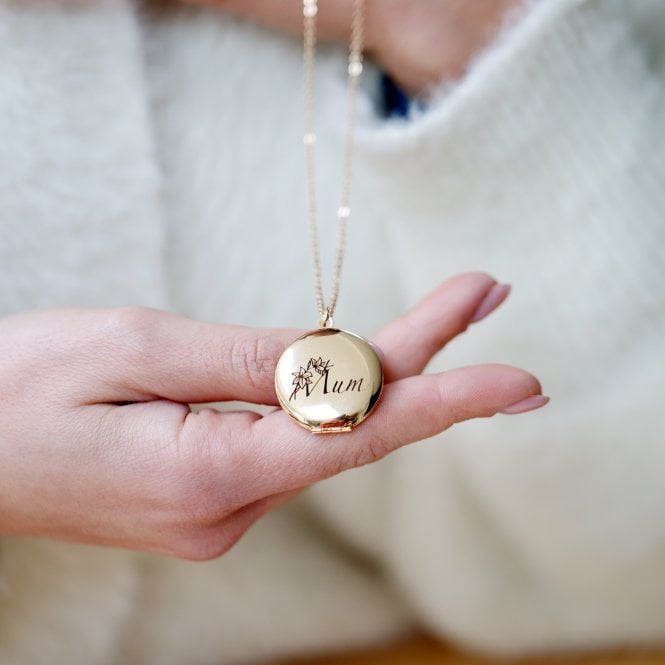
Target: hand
420 43
99 444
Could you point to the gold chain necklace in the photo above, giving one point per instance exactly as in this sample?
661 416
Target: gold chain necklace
329 380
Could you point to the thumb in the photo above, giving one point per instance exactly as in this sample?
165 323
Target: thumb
161 355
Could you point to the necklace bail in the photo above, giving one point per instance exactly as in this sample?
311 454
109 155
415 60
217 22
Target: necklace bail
326 320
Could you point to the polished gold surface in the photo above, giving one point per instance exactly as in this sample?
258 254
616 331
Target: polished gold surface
329 380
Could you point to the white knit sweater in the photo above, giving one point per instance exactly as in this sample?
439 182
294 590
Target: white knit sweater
155 159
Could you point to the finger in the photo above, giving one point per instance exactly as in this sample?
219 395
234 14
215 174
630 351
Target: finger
239 362
196 470
161 355
276 455
410 342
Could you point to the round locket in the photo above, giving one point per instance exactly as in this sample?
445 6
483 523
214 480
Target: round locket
329 380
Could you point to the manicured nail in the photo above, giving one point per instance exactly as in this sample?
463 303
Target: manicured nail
495 296
528 404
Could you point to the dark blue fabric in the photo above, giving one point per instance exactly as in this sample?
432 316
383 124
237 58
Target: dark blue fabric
394 101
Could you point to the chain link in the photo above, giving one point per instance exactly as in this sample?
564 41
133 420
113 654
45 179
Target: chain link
355 68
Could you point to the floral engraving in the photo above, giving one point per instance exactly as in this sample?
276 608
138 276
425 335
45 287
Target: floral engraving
319 365
305 380
303 377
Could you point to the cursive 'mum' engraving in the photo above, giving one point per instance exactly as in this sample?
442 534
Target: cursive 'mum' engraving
304 379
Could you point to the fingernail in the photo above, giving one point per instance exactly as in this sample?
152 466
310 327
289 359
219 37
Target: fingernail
528 404
495 296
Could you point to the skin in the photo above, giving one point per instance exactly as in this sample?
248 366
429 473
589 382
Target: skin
99 444
419 43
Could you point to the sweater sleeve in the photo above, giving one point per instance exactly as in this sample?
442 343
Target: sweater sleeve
78 182
545 167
